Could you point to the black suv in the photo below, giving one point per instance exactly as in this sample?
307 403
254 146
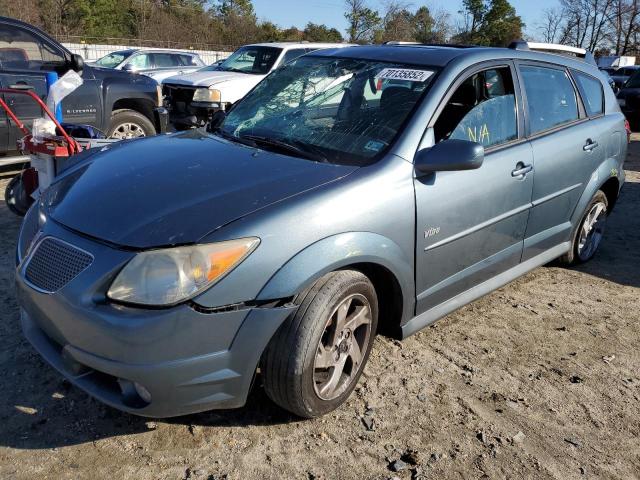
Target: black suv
121 104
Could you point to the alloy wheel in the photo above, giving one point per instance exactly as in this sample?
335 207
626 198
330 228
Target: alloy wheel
342 347
592 230
127 130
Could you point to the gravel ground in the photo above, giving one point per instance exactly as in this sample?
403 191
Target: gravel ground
538 380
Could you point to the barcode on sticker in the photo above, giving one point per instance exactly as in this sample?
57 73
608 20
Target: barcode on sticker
404 74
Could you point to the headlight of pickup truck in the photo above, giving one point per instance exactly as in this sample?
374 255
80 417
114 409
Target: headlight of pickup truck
207 95
170 276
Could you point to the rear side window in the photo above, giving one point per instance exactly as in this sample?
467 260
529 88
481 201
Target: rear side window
164 60
550 96
591 92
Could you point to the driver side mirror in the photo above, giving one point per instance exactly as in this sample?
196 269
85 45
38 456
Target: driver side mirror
127 67
76 63
450 155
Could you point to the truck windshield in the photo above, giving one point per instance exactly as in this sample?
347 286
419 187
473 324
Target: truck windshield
338 110
113 59
249 59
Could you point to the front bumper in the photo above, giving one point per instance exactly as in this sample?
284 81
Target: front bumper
189 361
161 119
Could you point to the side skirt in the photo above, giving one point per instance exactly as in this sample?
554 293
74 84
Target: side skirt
427 318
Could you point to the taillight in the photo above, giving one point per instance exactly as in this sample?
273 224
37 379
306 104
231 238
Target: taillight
627 127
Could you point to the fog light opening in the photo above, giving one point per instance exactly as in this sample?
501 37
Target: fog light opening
142 392
134 395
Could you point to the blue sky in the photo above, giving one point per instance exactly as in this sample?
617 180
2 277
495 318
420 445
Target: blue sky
331 12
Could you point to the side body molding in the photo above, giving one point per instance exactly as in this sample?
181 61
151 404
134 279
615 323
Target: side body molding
339 251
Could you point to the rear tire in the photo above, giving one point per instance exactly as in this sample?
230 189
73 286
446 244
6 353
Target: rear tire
588 234
314 361
129 124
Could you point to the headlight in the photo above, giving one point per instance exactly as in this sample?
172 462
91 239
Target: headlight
207 95
169 276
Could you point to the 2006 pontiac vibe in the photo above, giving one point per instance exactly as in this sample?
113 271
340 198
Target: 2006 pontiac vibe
353 192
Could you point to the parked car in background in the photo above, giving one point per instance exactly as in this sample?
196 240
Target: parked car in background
615 61
119 103
629 98
157 64
352 192
192 98
621 75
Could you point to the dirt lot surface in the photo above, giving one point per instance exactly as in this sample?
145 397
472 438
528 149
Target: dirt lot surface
540 379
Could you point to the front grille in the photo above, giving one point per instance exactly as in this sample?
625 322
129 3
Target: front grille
55 263
179 93
28 230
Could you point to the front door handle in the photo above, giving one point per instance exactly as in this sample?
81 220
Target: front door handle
521 170
590 145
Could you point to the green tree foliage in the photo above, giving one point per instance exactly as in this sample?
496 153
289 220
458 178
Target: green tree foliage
321 33
242 8
363 21
501 24
423 25
492 22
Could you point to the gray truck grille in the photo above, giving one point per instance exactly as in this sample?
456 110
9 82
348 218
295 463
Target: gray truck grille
55 263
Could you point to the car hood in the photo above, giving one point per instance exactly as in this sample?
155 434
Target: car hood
207 78
175 189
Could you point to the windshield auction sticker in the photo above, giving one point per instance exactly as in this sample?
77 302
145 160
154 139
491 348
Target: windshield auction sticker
404 74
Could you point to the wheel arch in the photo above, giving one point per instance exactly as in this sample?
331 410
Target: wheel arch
607 177
611 189
376 256
140 105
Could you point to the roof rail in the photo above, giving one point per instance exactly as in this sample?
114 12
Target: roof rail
419 44
553 48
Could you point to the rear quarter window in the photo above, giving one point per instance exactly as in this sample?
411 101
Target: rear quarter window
591 92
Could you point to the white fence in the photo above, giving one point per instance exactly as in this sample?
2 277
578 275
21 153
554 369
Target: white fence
91 52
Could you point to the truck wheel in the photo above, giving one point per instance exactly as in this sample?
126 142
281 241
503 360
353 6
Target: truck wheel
129 124
315 359
16 198
587 237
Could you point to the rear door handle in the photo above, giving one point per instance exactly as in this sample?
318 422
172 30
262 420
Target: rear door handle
590 145
521 170
22 86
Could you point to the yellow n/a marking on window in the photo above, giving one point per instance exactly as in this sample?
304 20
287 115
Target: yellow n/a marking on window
484 135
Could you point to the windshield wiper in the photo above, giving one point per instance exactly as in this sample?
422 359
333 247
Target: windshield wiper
233 138
298 148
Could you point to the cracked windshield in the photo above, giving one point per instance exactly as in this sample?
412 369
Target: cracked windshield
329 109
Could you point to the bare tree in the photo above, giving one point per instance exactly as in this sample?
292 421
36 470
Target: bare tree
551 25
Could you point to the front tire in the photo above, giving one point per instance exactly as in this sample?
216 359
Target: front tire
315 359
588 234
127 124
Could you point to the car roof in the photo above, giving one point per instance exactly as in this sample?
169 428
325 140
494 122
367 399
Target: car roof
441 55
156 50
289 45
